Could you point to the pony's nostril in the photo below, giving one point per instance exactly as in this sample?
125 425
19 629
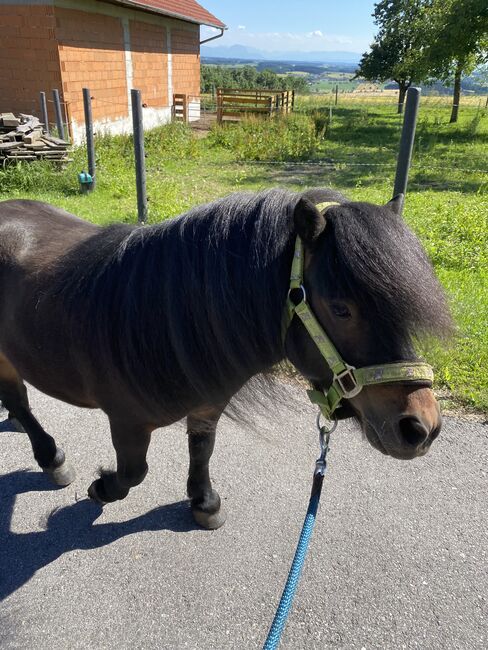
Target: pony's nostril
413 431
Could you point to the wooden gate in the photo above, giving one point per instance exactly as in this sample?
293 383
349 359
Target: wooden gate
180 107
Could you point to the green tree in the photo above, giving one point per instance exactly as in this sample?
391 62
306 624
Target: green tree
247 78
457 42
397 46
268 79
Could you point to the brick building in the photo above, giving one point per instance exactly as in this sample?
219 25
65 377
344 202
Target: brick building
109 46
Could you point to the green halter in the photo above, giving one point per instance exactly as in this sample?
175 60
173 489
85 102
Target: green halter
348 381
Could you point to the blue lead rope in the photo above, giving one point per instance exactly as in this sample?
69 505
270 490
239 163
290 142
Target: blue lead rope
279 621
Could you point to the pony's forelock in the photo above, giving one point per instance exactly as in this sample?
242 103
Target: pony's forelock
378 262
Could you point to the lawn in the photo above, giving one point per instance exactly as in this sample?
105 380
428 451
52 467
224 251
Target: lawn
329 85
354 150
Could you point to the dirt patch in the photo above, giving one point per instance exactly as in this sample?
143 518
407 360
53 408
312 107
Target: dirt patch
202 126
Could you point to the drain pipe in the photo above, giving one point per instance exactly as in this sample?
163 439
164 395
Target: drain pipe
212 38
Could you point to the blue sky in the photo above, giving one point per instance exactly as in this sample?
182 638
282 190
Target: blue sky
306 25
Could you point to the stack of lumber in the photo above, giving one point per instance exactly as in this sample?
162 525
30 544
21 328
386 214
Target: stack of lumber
23 138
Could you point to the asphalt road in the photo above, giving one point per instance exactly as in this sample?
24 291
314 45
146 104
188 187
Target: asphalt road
398 558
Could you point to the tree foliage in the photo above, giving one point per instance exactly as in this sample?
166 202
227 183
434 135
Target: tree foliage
247 77
396 46
421 40
456 42
455 31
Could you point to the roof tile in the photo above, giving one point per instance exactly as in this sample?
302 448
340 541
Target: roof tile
181 8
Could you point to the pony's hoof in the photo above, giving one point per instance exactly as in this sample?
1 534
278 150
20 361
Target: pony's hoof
62 475
93 494
210 521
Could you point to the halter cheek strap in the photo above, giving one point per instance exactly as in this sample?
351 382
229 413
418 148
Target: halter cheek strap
347 380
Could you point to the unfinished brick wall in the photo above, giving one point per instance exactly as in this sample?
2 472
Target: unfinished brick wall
29 57
150 62
91 52
50 46
185 48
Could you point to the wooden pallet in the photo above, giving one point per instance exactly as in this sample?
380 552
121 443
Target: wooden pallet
22 138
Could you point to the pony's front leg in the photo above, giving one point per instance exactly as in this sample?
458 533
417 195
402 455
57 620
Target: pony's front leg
50 458
130 442
205 502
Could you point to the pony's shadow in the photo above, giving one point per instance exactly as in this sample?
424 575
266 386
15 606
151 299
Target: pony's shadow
66 529
6 426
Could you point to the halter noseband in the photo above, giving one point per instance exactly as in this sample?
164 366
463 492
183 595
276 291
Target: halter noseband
348 381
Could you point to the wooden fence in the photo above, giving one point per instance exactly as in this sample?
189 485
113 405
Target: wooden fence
234 104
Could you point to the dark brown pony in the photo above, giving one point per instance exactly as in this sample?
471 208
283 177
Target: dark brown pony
152 324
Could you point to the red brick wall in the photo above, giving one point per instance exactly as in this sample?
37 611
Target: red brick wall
185 47
91 52
150 62
29 59
44 47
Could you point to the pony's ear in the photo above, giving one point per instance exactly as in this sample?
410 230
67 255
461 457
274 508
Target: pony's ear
396 204
309 222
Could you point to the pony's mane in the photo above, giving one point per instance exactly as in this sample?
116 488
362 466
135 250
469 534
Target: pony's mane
197 301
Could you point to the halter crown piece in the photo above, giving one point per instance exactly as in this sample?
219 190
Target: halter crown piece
347 381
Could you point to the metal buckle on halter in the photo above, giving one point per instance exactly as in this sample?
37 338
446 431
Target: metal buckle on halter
302 299
347 376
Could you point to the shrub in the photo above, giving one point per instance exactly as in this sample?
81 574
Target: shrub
291 137
175 140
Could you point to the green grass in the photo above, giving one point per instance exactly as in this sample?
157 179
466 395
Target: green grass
447 203
329 85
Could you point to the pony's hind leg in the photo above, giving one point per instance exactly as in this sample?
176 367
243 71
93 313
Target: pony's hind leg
131 442
205 501
50 458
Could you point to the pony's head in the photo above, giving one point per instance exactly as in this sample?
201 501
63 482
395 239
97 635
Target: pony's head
373 291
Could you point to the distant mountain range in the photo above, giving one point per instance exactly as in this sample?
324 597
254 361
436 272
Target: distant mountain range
253 54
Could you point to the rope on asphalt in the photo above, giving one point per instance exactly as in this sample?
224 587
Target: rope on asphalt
284 607
286 600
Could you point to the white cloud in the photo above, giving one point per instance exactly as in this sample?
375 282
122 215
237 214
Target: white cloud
315 40
209 31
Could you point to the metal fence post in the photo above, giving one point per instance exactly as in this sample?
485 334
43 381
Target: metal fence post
139 155
59 115
406 141
44 115
90 144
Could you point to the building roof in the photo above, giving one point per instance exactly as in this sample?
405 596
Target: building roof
184 9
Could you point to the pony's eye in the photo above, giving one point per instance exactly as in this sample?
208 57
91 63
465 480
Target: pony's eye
340 310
